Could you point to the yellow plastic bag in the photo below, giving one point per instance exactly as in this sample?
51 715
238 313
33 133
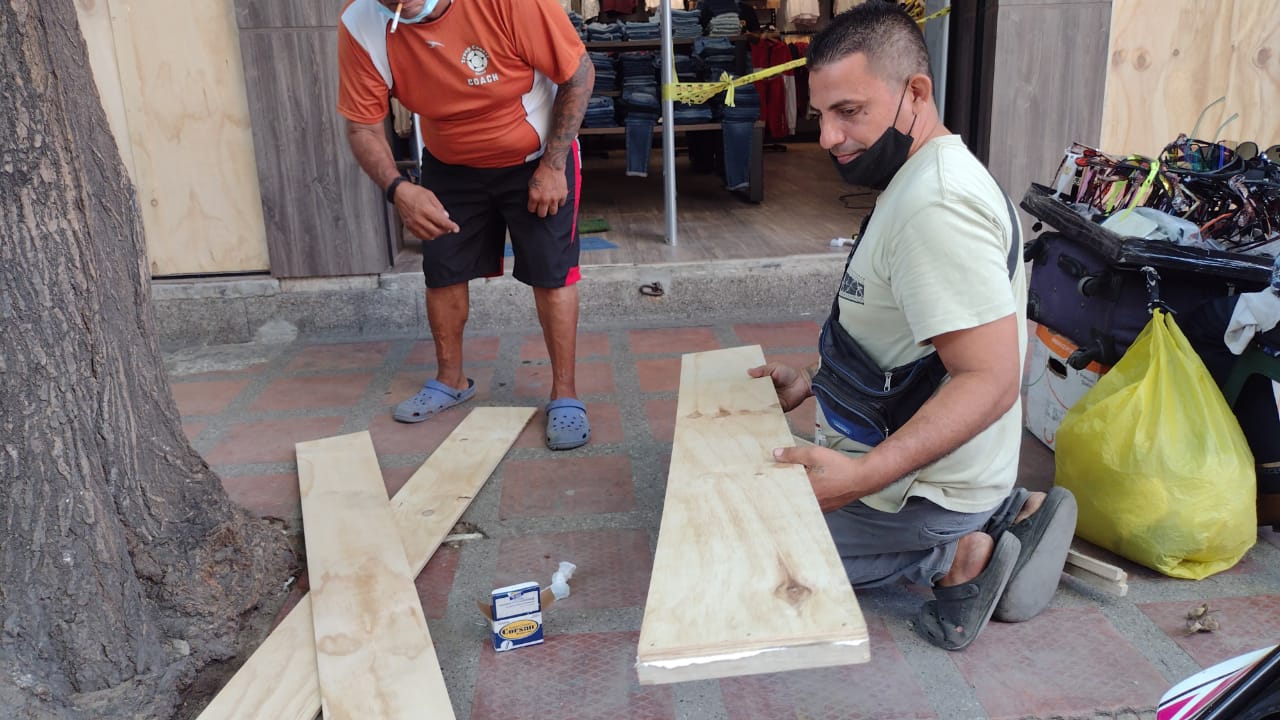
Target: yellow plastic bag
1158 463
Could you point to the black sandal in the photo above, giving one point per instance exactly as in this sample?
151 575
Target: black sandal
959 612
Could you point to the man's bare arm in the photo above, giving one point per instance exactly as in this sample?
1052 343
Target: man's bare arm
370 147
567 112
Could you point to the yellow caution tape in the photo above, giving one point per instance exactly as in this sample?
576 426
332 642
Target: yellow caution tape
695 93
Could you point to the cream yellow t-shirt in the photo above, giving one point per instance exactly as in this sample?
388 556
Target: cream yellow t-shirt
934 259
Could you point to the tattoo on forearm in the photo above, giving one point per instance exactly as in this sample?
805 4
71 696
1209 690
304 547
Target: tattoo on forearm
567 113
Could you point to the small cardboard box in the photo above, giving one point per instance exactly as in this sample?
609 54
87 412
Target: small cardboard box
516 611
1050 387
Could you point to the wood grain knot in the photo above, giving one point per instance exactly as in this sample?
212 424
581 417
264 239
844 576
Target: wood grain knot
723 413
1143 60
791 589
1117 57
1262 58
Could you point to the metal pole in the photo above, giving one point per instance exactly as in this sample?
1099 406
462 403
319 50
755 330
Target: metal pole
668 127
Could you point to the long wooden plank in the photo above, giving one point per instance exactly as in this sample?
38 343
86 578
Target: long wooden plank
279 681
746 578
374 654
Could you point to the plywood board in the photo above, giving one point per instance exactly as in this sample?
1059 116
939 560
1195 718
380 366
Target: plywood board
183 93
374 654
746 578
279 681
1169 59
95 25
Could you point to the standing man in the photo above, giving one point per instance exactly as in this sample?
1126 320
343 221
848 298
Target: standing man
500 87
925 495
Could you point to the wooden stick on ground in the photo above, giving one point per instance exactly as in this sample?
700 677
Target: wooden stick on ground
374 654
1094 572
746 578
279 681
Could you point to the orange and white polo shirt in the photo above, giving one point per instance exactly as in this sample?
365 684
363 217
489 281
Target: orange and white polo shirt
482 76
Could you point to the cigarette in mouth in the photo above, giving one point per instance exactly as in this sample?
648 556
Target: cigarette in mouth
396 20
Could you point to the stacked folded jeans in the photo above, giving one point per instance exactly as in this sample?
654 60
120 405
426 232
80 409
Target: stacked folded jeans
642 30
606 71
604 32
600 112
718 56
578 23
641 103
737 121
685 24
639 68
686 114
725 24
687 68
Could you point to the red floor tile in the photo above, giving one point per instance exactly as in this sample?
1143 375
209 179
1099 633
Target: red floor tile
192 429
311 392
436 581
1065 663
340 356
662 419
556 487
395 478
266 495
590 345
606 426
474 350
407 384
673 340
206 398
391 437
884 688
1246 623
613 565
803 334
269 441
591 378
795 360
583 677
660 375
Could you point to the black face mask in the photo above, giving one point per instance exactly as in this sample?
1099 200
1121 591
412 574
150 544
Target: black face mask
877 165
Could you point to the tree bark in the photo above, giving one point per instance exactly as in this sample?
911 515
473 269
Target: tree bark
124 569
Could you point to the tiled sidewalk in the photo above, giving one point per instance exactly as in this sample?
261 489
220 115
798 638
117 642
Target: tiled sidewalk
1089 656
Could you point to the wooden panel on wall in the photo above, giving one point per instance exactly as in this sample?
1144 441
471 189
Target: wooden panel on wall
188 128
1048 75
95 25
1171 58
323 215
288 13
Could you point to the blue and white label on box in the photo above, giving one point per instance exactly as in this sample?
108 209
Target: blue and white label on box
517 616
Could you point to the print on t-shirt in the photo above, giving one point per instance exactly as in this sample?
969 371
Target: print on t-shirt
852 288
477 59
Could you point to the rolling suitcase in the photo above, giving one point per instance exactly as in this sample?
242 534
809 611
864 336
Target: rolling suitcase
1101 307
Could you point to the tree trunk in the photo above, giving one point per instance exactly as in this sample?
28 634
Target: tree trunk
125 571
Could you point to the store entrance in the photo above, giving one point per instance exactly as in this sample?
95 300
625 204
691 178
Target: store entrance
805 206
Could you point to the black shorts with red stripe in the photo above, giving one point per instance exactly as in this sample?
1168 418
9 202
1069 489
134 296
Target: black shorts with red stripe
487 203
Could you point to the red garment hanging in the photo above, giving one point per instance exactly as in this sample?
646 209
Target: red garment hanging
766 53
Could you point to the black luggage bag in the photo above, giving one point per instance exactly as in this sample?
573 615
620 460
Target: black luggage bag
1099 306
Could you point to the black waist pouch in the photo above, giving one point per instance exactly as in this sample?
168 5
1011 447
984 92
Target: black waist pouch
863 401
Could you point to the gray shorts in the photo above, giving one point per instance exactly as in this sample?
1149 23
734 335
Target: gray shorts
916 544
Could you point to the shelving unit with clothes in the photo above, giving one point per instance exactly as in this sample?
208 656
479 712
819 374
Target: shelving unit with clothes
626 100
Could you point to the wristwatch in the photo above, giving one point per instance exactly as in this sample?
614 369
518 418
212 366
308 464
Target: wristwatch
390 192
